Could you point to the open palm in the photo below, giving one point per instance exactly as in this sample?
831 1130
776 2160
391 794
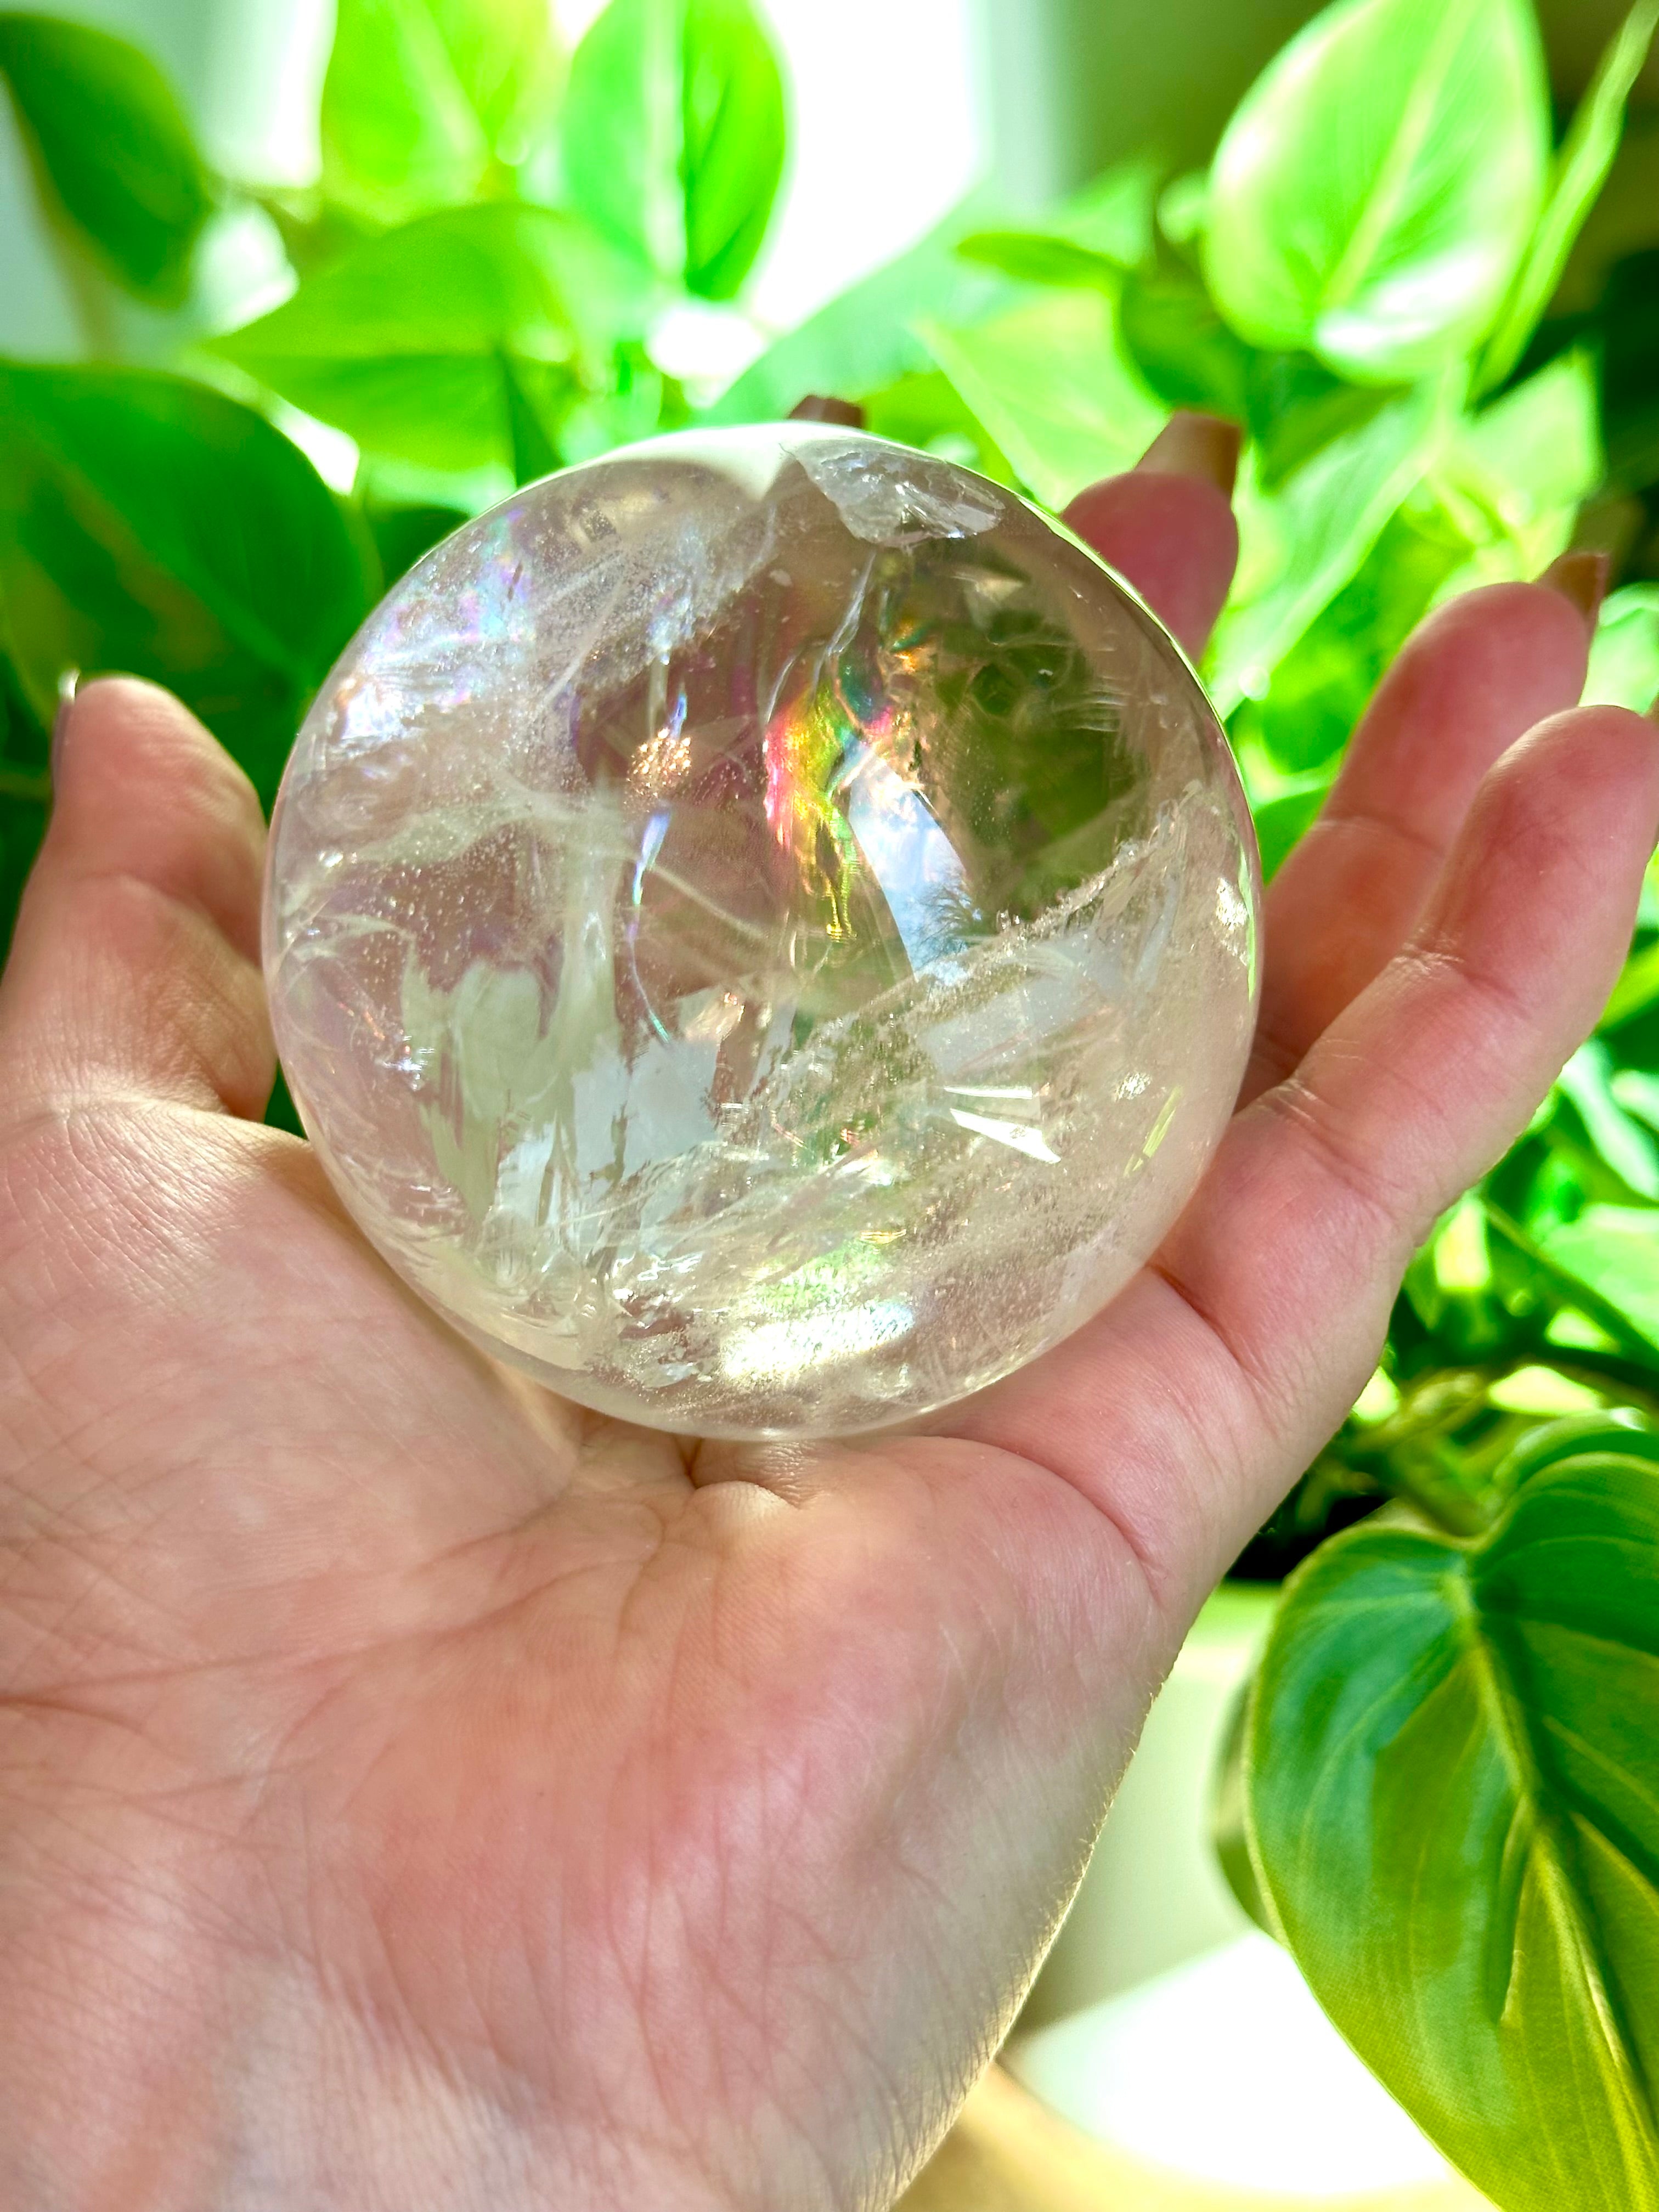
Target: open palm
415 1792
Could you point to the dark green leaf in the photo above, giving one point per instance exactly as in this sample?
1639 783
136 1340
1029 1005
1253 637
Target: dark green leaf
400 343
1229 1827
1296 407
403 530
25 789
1374 193
1628 319
150 525
674 136
1454 1799
111 147
422 95
534 454
1580 171
1179 344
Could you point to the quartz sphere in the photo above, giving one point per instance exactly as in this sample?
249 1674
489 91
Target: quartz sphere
761 930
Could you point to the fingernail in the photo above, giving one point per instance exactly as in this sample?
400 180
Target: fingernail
1193 445
1582 578
68 684
817 408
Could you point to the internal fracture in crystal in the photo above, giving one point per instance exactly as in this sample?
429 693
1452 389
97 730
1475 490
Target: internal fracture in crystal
761 932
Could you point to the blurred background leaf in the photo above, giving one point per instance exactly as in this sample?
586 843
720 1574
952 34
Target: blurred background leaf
1052 385
1302 540
113 152
674 134
426 102
1373 195
150 525
1624 669
1579 172
401 342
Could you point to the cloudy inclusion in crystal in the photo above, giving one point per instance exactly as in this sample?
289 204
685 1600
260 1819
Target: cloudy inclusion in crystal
760 929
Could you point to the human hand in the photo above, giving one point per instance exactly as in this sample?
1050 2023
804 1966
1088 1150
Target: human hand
416 1792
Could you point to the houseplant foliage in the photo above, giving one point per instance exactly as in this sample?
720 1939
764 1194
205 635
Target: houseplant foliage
1450 1801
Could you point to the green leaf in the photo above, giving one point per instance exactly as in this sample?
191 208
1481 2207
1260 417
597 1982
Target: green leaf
1579 1274
1282 823
1629 322
25 787
1301 542
403 530
422 95
674 136
1636 990
400 344
1051 384
1323 683
534 454
1623 663
1616 1250
1624 1146
1514 475
1378 183
1295 407
1580 171
926 410
1454 1800
150 525
735 136
1186 353
110 148
1090 239
863 339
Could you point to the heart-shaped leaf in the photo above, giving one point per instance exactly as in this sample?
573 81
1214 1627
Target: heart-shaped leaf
112 150
422 95
148 523
674 136
401 343
1372 196
1454 1799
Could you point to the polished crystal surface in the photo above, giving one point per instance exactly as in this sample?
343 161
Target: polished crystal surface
761 931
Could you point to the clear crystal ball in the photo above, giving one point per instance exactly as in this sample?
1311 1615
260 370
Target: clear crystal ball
761 930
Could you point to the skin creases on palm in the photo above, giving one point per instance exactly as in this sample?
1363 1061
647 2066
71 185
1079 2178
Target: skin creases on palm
421 1793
